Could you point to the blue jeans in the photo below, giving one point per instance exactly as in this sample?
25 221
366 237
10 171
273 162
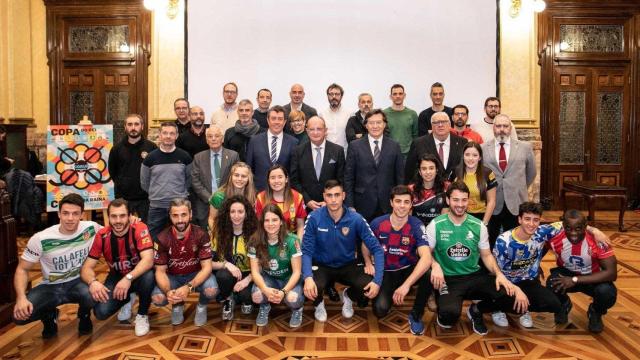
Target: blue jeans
158 219
46 298
272 282
142 286
175 281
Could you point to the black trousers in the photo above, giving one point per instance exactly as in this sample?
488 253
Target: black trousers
504 221
139 208
143 286
476 286
391 281
226 282
541 298
604 294
350 275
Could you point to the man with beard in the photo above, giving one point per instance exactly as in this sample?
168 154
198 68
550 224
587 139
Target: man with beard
296 94
401 121
194 140
437 104
514 166
128 251
485 126
125 160
165 174
236 138
183 265
335 116
460 128
458 241
227 113
260 113
60 251
355 125
407 258
181 108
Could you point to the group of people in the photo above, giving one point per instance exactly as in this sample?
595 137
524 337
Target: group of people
278 204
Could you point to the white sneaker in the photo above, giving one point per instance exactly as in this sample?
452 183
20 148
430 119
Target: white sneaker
125 311
177 314
500 319
526 320
141 325
320 313
201 315
347 305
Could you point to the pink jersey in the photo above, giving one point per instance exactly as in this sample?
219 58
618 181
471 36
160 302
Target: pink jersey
581 258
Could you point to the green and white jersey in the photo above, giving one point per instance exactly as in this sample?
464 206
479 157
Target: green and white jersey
457 247
280 257
61 256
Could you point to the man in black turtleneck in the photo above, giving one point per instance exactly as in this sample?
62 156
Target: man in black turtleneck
194 140
125 161
237 137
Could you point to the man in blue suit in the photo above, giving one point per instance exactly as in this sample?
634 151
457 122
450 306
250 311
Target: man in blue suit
269 148
374 166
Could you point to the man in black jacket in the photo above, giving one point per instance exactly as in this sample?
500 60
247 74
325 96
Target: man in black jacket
125 160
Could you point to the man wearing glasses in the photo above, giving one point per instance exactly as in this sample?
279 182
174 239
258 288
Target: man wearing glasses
335 116
441 143
227 115
460 128
181 108
484 127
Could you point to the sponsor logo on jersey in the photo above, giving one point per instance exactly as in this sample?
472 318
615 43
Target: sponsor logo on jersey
458 252
405 240
273 264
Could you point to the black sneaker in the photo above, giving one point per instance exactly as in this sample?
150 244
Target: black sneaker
595 320
50 323
476 320
85 326
562 317
333 294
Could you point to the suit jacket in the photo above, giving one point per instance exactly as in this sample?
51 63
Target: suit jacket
426 145
306 109
303 171
259 160
201 177
367 185
514 181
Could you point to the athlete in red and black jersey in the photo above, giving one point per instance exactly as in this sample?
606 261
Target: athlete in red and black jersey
128 250
585 266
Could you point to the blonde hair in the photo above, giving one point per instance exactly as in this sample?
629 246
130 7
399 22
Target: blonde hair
249 190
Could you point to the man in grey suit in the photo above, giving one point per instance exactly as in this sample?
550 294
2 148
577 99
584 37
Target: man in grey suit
513 163
209 171
297 97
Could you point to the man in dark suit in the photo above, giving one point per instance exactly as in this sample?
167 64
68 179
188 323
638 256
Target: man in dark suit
374 166
297 96
441 143
315 162
269 148
209 171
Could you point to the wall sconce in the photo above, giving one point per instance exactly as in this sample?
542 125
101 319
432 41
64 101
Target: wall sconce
172 6
516 6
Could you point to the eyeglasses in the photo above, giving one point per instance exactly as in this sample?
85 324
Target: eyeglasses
440 122
460 114
493 106
334 94
230 92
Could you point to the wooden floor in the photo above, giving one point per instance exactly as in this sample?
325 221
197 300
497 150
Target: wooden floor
363 337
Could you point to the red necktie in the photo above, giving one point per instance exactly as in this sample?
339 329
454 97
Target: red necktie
502 160
441 153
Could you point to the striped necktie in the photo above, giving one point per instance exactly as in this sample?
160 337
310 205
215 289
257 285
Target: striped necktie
274 149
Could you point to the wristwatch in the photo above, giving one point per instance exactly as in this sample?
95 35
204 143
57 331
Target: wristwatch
574 279
285 292
129 277
190 286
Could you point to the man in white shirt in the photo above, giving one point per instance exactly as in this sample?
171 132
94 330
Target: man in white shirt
227 114
335 116
484 127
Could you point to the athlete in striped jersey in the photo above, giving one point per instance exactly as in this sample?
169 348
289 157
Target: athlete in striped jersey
584 265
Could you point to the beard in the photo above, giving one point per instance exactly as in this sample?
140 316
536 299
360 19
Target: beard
134 134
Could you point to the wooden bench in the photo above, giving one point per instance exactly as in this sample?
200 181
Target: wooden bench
591 191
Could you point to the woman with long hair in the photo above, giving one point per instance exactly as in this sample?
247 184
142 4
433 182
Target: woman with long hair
428 189
276 265
280 193
240 182
235 224
481 181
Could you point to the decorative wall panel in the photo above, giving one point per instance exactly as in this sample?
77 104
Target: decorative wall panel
609 128
571 127
99 38
591 38
117 108
80 103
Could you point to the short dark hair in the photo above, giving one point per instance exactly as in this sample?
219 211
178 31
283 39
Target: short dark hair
492 98
177 202
330 184
230 83
530 207
399 190
573 214
116 204
181 99
460 106
261 90
73 199
169 123
375 112
457 185
335 86
276 108
437 84
394 86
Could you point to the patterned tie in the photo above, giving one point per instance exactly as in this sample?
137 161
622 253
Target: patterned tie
216 168
502 158
376 153
274 149
318 163
441 153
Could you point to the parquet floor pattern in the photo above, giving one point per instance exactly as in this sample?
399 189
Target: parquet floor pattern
363 337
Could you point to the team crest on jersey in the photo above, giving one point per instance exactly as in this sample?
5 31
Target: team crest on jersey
345 231
273 264
432 210
283 254
86 236
458 252
469 235
405 240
